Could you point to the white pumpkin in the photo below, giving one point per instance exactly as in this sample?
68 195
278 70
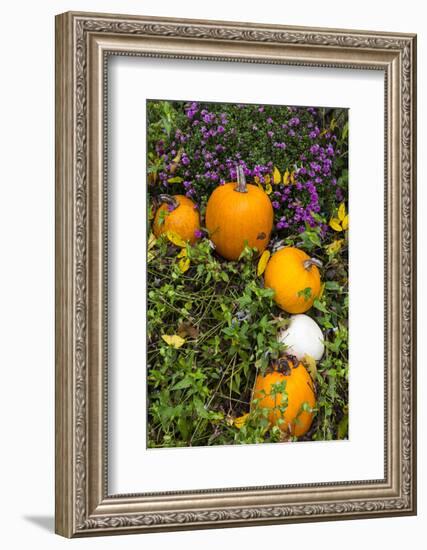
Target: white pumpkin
303 337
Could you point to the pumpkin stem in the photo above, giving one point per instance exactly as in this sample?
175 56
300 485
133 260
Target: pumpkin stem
241 180
169 200
312 261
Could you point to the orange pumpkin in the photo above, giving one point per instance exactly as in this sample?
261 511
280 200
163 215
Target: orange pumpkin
299 390
179 215
239 214
295 279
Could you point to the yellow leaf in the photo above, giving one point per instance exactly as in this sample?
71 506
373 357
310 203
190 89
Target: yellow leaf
240 421
268 189
151 241
256 179
322 290
286 177
267 179
334 247
184 264
175 238
341 212
182 253
293 177
263 261
174 341
335 224
277 178
310 364
345 222
150 213
150 256
333 124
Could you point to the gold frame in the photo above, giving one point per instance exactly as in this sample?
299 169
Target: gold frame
83 43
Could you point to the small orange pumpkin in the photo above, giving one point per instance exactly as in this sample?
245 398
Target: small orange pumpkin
295 279
236 214
179 215
299 390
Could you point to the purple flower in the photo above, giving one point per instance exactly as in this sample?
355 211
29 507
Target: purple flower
261 109
220 129
269 120
198 234
270 133
294 121
275 205
280 145
185 160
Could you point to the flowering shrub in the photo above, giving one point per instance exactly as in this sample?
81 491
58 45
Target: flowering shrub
211 324
297 154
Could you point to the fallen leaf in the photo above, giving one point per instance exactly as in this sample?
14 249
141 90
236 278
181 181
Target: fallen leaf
184 264
277 177
151 241
310 363
240 421
345 222
187 329
263 261
174 341
175 239
335 224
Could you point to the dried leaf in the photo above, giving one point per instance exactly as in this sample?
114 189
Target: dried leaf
187 329
345 222
151 241
335 224
263 261
175 239
240 421
174 341
310 364
341 212
277 177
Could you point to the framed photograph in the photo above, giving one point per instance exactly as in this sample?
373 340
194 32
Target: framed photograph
235 274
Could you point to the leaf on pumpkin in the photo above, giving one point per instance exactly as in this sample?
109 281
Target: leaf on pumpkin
277 177
174 341
175 239
184 264
263 261
240 421
335 224
341 212
345 222
268 189
310 364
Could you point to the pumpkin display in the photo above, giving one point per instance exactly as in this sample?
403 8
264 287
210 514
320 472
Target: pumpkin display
179 215
236 214
299 390
295 279
303 336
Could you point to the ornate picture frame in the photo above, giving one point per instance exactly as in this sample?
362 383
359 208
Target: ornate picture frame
84 42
